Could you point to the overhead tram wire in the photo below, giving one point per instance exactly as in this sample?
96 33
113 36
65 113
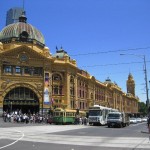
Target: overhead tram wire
104 65
111 51
122 72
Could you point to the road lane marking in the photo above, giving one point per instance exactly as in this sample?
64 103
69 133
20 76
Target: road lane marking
47 134
15 140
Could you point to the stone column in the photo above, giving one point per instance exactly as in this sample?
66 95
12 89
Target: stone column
67 87
76 92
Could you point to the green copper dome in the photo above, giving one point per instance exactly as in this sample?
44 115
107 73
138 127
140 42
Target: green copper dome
21 31
60 53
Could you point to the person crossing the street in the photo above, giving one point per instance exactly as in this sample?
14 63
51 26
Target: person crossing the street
148 121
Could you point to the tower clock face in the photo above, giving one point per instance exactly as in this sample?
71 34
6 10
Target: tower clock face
23 57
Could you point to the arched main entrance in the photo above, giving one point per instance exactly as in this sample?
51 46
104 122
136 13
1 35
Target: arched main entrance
21 99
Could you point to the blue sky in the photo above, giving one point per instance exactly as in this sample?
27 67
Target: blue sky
94 33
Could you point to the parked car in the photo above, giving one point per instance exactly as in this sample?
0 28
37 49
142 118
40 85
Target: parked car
144 119
139 120
133 120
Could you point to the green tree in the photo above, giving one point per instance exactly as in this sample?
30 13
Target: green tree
142 108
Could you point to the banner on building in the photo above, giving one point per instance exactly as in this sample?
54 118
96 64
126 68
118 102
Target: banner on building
46 89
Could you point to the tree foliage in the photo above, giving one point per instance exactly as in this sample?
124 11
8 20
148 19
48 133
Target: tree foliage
142 108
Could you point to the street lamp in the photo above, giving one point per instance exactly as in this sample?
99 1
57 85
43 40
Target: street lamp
145 72
11 107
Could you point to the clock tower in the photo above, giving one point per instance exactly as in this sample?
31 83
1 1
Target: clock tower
130 85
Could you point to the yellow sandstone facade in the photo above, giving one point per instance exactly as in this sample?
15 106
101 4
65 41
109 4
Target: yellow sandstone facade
33 80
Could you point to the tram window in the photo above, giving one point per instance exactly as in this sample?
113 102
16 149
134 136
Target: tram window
61 113
56 113
68 114
95 112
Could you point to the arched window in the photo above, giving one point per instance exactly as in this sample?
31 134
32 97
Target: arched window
71 79
24 36
56 77
21 93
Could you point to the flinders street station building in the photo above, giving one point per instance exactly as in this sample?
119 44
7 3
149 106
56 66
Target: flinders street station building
34 80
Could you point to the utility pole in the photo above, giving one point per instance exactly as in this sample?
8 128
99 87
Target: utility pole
146 83
145 74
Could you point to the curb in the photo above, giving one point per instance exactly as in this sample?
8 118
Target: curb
145 132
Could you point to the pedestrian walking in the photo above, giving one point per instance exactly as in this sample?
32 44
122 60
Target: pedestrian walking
85 121
5 116
148 121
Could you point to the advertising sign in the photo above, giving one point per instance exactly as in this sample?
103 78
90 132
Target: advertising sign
46 89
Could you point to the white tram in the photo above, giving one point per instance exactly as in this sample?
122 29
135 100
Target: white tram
98 114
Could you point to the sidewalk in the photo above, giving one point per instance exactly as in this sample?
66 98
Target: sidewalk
4 124
11 124
145 130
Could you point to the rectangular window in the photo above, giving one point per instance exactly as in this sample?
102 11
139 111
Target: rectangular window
38 72
83 105
60 90
80 93
8 69
18 69
56 90
80 105
72 104
56 100
83 94
71 91
26 70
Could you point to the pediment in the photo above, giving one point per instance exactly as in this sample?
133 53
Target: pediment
17 53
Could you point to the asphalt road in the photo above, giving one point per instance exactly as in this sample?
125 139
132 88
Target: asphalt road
72 137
